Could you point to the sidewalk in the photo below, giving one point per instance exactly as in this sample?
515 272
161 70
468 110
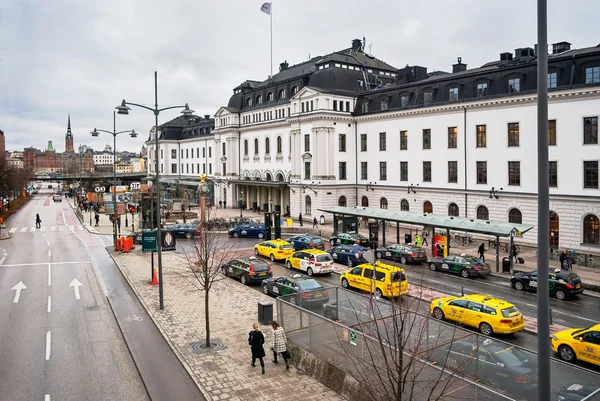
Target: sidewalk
223 373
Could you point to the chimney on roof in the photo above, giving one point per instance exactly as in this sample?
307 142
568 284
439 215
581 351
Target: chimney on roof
356 45
283 66
207 116
524 52
560 47
459 67
506 56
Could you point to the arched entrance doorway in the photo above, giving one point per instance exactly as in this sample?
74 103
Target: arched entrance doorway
554 231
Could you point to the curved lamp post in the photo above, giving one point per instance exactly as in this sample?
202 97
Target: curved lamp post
114 133
124 109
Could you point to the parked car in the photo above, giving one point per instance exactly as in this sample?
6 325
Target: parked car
405 254
248 270
298 289
57 198
276 249
248 230
352 255
466 266
306 241
582 344
563 284
311 261
349 238
578 392
185 230
391 281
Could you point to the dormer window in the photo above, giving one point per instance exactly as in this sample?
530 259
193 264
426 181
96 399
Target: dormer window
514 85
259 99
427 97
384 104
249 102
281 94
453 94
364 107
404 101
482 89
592 75
294 90
270 97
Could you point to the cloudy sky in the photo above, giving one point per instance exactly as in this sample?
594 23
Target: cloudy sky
82 57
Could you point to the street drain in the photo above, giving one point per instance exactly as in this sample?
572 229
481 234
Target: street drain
199 347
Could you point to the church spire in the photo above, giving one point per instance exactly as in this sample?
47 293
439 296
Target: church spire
69 138
69 134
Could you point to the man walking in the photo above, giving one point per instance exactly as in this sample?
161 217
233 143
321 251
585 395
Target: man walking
300 219
315 223
481 251
425 234
38 221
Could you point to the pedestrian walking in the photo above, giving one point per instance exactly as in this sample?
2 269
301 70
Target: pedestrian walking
481 251
417 240
569 260
256 339
425 235
514 252
279 344
224 204
97 218
563 263
38 221
300 219
315 223
220 204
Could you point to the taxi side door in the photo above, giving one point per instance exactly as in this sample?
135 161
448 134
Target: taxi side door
455 310
295 259
354 277
472 315
367 280
588 349
533 282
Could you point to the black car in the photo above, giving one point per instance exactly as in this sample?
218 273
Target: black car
466 266
563 284
298 289
306 241
351 255
407 253
248 230
491 362
349 238
185 230
577 392
249 270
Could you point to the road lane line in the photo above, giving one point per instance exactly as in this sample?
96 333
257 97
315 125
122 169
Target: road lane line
48 339
43 229
46 263
49 274
47 397
48 242
49 303
49 253
2 260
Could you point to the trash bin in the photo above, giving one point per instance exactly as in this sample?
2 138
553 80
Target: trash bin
321 219
407 238
506 264
265 312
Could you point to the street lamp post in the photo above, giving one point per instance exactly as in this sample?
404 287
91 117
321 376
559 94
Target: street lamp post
123 109
241 204
114 133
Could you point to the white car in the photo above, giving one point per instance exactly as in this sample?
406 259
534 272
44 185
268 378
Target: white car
57 198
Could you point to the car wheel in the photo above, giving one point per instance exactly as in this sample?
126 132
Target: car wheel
519 286
256 251
403 260
432 267
288 264
272 257
378 293
378 255
309 271
261 235
345 283
265 289
236 235
188 235
244 279
566 353
438 314
329 315
332 242
464 273
486 329
561 294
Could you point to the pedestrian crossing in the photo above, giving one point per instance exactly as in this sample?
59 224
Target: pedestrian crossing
74 228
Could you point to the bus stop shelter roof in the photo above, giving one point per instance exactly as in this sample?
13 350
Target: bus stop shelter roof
488 227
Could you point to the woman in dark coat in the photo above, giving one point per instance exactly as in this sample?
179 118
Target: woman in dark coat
256 339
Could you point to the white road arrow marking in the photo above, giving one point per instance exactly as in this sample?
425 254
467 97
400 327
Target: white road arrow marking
20 286
76 284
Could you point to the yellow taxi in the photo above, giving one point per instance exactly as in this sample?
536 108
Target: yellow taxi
390 280
312 261
582 344
276 249
488 314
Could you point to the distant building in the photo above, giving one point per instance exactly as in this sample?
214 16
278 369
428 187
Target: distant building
124 167
103 158
2 147
15 162
138 164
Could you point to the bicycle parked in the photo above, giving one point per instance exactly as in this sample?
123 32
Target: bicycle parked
457 239
582 259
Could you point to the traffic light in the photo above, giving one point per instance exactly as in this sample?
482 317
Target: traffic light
268 225
277 221
131 208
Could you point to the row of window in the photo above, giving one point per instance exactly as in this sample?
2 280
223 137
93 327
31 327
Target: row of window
267 146
270 97
265 116
189 153
189 170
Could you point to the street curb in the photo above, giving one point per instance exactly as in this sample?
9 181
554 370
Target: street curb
162 332
89 230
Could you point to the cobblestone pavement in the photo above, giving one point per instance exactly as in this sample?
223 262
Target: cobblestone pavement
223 374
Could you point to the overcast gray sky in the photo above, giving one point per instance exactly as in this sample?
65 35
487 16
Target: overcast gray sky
82 57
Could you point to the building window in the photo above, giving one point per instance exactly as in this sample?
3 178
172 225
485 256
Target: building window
347 106
482 172
452 172
552 80
245 147
482 89
513 134
383 203
335 105
174 168
553 171
267 146
453 210
427 97
302 106
514 173
363 142
249 102
307 143
515 216
224 169
279 145
404 205
427 207
384 105
403 140
342 201
342 142
403 171
551 132
282 94
404 101
203 168
364 202
426 139
173 154
294 90
483 213
363 170
592 75
224 146
382 142
181 151
256 146
270 97
307 170
209 151
481 136
514 85
382 171
259 99
452 137
591 230
364 107
590 174
453 94
342 170
307 205
590 131
426 171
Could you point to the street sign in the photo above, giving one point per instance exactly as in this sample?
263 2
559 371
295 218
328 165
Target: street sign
352 337
168 241
369 256
135 185
149 241
99 189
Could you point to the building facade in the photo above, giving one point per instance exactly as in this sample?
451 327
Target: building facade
347 129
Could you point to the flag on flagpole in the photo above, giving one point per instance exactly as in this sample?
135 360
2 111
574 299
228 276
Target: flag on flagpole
266 8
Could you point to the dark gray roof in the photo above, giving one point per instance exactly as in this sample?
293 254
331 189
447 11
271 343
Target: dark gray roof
348 56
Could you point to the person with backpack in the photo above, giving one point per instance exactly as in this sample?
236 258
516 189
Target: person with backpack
256 339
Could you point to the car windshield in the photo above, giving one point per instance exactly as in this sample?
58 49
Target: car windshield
580 331
510 312
261 267
309 284
324 258
512 357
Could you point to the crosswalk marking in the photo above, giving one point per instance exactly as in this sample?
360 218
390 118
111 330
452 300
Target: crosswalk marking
71 228
24 229
60 228
12 230
53 228
43 229
32 229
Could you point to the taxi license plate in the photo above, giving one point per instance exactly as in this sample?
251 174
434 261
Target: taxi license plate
578 286
262 274
318 295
